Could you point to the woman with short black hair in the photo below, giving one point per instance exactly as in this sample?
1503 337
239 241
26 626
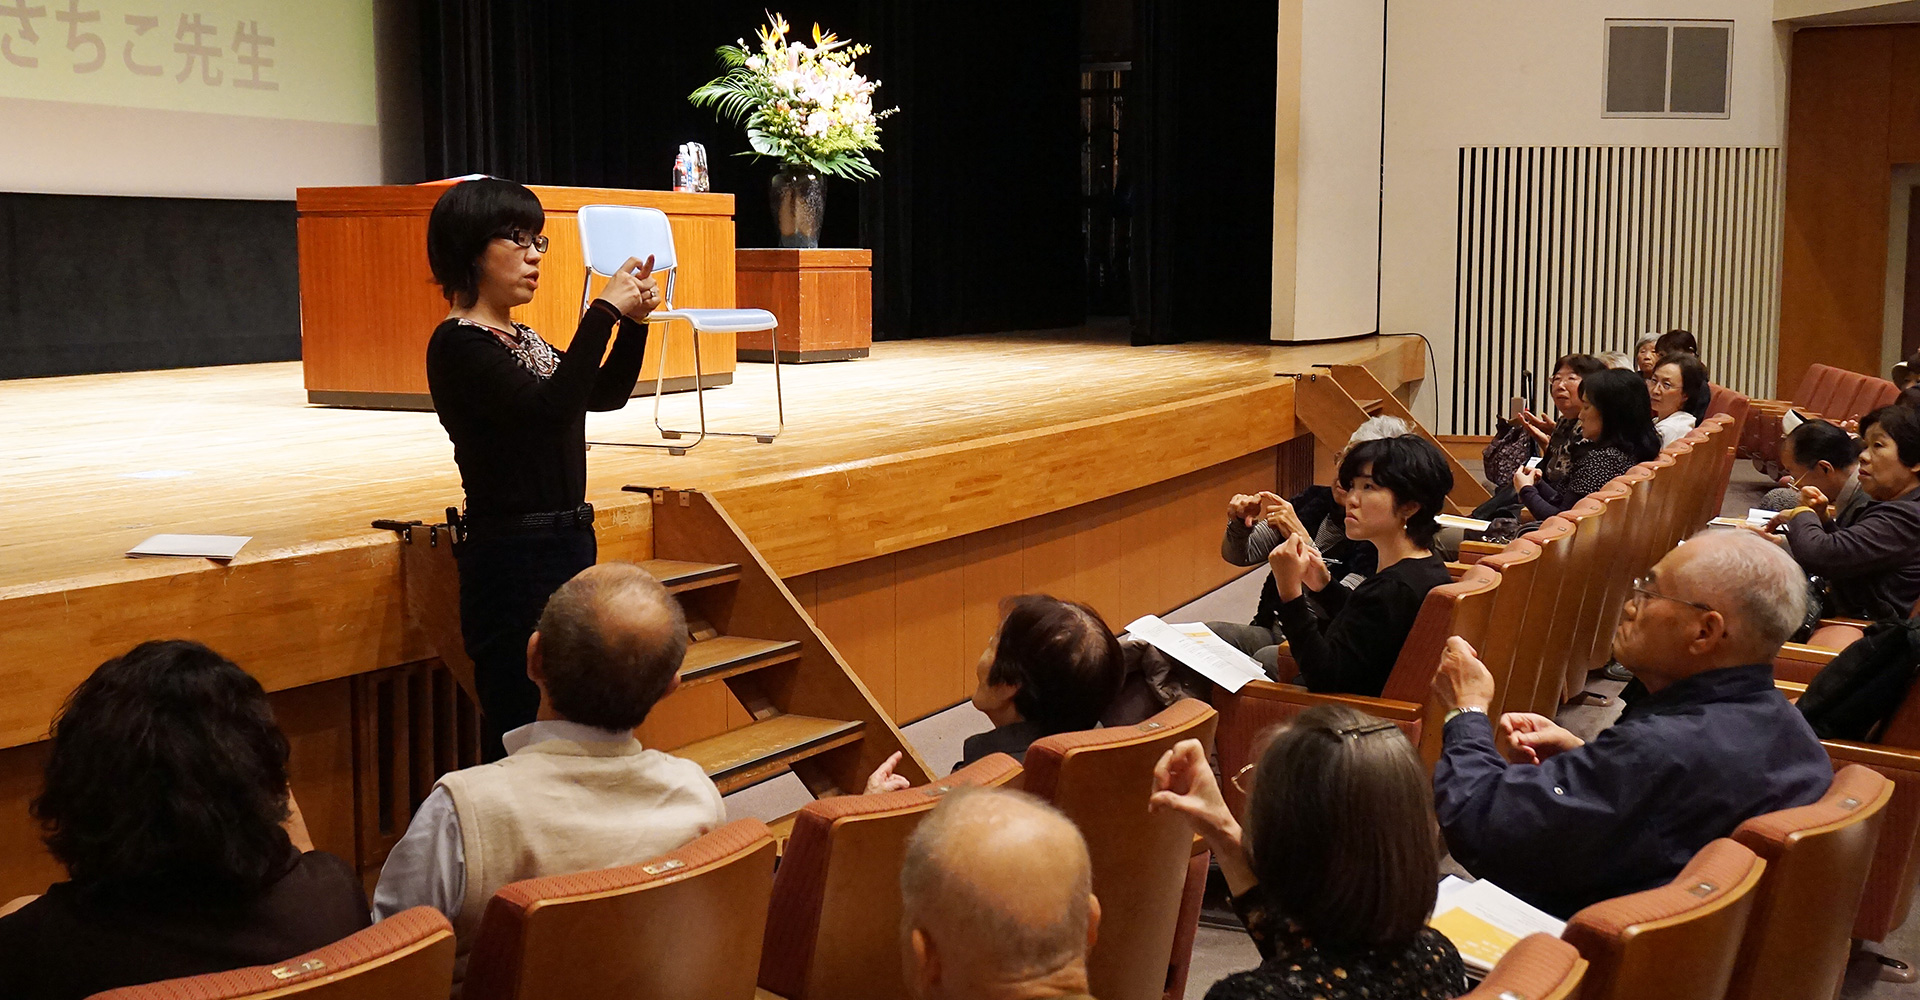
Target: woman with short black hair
1616 431
1679 391
1346 641
166 801
515 408
1872 561
1338 867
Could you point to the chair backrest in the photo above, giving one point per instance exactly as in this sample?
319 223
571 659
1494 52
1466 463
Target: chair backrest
1600 534
1101 779
1539 967
1459 608
833 928
1799 936
404 957
1676 942
610 234
1536 677
1734 408
1816 389
602 934
1518 565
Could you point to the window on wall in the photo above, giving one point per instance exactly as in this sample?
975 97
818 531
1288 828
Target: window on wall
1668 69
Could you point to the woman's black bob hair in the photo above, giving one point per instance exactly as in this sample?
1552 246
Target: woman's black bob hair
1626 412
166 780
468 217
1414 469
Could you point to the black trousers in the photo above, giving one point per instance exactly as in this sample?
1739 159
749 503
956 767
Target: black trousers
505 580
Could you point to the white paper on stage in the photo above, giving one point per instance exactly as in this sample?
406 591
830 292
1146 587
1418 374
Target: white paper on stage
221 547
1196 646
1483 920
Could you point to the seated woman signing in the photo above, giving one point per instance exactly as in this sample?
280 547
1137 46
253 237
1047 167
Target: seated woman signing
1616 433
1873 559
1346 641
1337 870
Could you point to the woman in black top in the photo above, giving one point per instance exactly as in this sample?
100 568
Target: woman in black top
1616 431
1552 439
1346 641
166 800
515 408
1338 868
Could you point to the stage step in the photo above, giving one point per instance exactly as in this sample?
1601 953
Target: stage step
726 655
740 757
680 576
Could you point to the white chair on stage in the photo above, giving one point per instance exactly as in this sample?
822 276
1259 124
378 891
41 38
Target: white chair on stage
609 236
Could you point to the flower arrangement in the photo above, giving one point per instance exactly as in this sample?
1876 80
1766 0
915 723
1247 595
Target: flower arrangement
804 105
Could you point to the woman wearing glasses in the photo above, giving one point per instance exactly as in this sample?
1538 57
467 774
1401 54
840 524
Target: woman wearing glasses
1339 864
515 407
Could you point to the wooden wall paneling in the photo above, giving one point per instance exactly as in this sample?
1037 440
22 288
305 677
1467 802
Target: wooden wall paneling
1903 105
994 569
1834 254
806 590
1141 559
1097 561
318 721
929 632
362 324
686 715
25 866
857 611
1047 564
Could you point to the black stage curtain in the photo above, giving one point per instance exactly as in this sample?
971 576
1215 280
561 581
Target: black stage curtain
97 284
1200 142
975 218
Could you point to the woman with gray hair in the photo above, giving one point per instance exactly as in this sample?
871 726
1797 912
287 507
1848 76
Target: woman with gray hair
1257 524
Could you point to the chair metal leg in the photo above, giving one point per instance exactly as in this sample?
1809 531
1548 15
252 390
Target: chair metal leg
659 390
779 404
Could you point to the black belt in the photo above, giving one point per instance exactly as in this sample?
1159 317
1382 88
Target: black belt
578 517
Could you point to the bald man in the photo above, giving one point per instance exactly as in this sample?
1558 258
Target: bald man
1562 823
576 791
998 904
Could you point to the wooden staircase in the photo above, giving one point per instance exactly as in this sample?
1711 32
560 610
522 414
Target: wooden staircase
1332 401
809 713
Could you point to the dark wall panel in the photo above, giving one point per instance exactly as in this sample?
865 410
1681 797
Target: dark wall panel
97 284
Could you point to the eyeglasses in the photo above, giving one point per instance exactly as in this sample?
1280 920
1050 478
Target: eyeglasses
1564 380
1643 588
1243 778
523 239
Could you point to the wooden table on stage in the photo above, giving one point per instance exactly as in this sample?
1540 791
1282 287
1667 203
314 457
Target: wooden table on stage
368 303
822 297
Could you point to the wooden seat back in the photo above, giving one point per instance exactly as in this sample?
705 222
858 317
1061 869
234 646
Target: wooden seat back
834 922
1736 407
1101 779
404 957
686 924
1676 942
1536 677
1600 531
1799 936
1538 967
1518 565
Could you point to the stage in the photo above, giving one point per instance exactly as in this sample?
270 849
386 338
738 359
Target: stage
908 493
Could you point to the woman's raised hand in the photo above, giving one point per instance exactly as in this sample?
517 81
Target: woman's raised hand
633 289
1244 508
1289 562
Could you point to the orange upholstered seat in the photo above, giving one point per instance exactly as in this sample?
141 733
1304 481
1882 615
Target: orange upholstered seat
686 924
408 956
833 930
1101 779
1539 967
1676 942
1817 856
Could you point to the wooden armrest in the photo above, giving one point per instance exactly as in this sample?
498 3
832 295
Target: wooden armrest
1790 689
1458 570
1771 406
16 903
1294 694
1479 548
1806 654
1877 757
1858 623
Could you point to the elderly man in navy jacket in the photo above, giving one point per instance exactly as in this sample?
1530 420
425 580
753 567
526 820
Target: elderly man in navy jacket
1562 823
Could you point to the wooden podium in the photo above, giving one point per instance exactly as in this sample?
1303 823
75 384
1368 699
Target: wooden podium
368 303
823 299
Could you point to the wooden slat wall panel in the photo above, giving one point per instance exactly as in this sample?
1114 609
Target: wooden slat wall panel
931 658
1584 248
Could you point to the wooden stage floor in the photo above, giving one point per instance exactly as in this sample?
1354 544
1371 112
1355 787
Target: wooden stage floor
94 464
922 442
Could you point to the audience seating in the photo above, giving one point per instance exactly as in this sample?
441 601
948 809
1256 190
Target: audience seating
1824 392
1539 967
1460 608
407 956
1896 858
1676 942
1798 938
833 929
685 925
1738 409
1101 779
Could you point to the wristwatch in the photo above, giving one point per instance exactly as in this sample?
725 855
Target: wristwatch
1464 709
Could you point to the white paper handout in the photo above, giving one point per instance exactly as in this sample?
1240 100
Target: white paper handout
1196 646
1483 921
221 547
1463 523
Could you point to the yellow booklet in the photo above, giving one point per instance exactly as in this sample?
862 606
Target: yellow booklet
1483 921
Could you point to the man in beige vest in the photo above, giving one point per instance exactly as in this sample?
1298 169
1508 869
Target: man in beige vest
576 791
997 901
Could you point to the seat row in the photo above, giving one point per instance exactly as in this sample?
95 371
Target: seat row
715 920
1826 392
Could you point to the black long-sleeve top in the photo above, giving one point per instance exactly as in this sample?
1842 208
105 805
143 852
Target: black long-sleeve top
1296 967
1346 642
1593 466
1348 560
1872 558
520 438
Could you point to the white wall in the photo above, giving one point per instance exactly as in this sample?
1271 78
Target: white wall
1337 170
1523 72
